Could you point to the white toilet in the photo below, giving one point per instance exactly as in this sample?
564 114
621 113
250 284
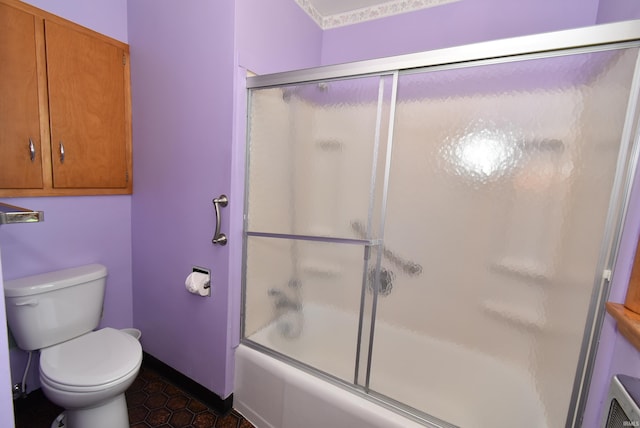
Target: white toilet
84 371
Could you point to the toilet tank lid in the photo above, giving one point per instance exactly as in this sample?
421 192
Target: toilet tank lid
44 282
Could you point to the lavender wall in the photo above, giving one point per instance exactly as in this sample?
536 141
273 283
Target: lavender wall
453 24
6 403
104 16
276 35
77 230
618 10
182 63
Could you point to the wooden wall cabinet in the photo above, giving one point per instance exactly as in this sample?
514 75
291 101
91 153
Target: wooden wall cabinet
65 107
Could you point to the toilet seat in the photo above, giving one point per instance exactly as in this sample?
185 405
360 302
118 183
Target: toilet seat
92 361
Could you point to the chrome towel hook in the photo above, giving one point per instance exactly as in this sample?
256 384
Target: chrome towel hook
219 238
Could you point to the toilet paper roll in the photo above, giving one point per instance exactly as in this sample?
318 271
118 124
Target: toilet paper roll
198 283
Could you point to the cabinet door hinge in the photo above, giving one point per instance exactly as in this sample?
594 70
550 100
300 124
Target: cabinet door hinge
126 176
124 59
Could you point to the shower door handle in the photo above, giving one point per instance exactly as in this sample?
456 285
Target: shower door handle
219 238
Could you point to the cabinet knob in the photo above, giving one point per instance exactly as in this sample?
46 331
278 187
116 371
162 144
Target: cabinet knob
32 150
61 152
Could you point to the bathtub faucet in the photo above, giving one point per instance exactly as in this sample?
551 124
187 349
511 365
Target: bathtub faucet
283 301
288 314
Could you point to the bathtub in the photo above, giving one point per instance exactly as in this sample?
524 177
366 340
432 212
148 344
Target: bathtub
484 393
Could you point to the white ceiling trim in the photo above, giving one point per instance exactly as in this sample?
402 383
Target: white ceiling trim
393 7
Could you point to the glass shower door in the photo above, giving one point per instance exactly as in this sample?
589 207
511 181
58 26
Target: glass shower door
499 189
313 198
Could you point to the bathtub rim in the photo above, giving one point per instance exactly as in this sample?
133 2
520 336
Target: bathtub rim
374 397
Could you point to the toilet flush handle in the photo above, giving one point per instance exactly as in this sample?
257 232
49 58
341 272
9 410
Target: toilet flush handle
30 302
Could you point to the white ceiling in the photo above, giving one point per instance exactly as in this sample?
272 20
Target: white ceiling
337 13
334 7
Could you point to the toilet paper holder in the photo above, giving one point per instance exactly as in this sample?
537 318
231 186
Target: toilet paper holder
204 271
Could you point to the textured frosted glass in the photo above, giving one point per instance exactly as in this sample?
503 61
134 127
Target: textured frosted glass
312 154
499 189
499 185
303 300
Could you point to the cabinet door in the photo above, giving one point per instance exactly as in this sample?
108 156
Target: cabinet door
20 152
86 78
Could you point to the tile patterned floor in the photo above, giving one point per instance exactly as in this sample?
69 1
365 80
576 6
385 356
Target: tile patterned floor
152 402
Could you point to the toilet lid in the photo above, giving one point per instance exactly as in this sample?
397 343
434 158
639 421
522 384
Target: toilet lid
95 358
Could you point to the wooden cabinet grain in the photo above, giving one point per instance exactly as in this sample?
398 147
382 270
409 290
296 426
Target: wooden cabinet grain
65 93
20 139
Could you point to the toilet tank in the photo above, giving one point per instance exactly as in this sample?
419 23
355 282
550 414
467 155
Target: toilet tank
50 308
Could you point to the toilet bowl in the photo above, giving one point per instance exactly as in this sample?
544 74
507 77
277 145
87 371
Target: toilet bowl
86 371
137 334
88 376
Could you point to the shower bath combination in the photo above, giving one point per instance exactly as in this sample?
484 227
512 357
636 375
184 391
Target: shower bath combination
449 219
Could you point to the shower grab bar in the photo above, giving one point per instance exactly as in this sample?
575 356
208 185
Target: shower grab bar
408 267
219 238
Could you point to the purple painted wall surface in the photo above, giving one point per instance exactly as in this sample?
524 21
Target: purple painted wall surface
182 64
453 24
76 231
108 17
6 401
618 10
276 35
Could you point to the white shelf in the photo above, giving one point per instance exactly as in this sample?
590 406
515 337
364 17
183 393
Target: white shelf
526 268
521 314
